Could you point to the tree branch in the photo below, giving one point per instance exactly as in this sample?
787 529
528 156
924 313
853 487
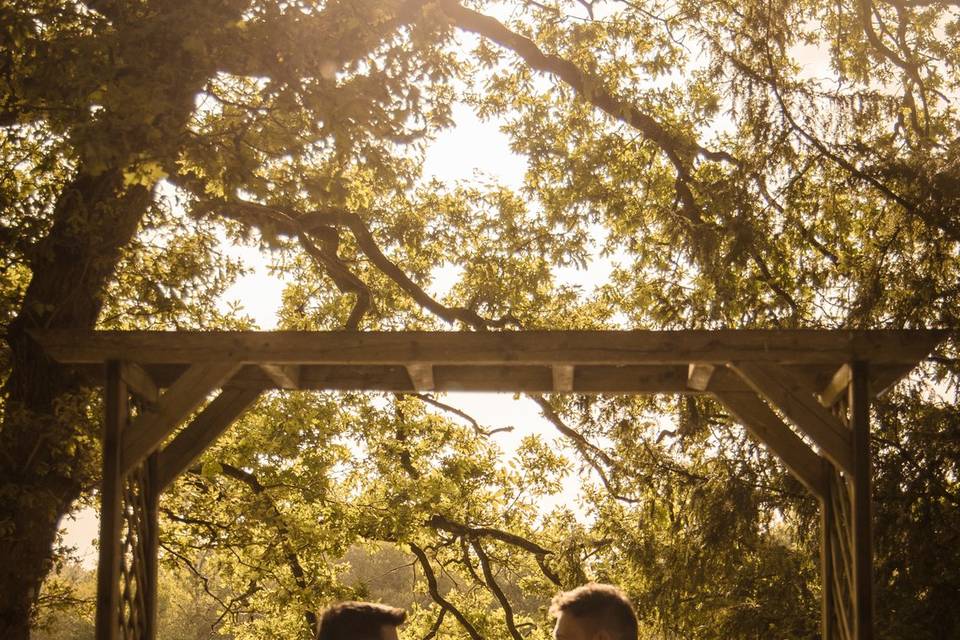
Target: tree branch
495 588
435 592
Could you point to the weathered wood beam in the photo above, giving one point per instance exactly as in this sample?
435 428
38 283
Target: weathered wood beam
115 414
285 376
149 429
562 378
421 376
861 509
151 549
798 404
837 386
794 346
215 418
139 381
698 376
793 452
828 595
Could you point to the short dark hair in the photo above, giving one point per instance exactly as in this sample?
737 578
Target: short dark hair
601 604
358 620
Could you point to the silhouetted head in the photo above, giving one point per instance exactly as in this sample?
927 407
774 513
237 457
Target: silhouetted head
594 612
360 621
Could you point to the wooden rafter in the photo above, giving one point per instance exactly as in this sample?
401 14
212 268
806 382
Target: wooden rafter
562 377
285 376
770 430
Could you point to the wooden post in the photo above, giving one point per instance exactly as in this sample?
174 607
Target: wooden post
828 609
116 415
150 547
862 569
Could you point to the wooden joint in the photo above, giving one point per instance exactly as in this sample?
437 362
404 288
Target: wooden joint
285 376
698 376
149 429
798 404
421 375
562 378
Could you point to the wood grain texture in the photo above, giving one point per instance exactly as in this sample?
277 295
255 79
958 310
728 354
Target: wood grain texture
770 430
421 376
149 429
562 378
215 418
116 415
489 347
799 406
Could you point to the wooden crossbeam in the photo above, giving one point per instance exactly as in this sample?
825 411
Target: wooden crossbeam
149 429
285 376
770 430
187 446
491 347
798 404
421 376
562 378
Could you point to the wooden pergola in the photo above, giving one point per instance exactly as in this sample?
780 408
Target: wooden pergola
804 393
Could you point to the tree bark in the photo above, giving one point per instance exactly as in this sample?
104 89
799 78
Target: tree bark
44 464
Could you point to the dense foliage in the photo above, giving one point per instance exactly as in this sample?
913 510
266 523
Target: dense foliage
787 163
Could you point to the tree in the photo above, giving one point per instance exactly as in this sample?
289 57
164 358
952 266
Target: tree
733 187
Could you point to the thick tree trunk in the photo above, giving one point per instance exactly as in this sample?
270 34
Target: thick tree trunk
46 458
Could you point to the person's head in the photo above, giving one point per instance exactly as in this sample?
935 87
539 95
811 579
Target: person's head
360 621
593 612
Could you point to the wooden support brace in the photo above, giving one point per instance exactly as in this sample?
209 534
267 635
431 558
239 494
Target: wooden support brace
562 378
139 381
149 429
798 404
187 446
698 376
836 388
421 375
764 424
116 415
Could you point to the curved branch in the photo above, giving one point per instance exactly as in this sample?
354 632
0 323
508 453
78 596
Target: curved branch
435 592
429 399
436 626
495 588
295 223
677 148
346 280
584 446
443 523
680 150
